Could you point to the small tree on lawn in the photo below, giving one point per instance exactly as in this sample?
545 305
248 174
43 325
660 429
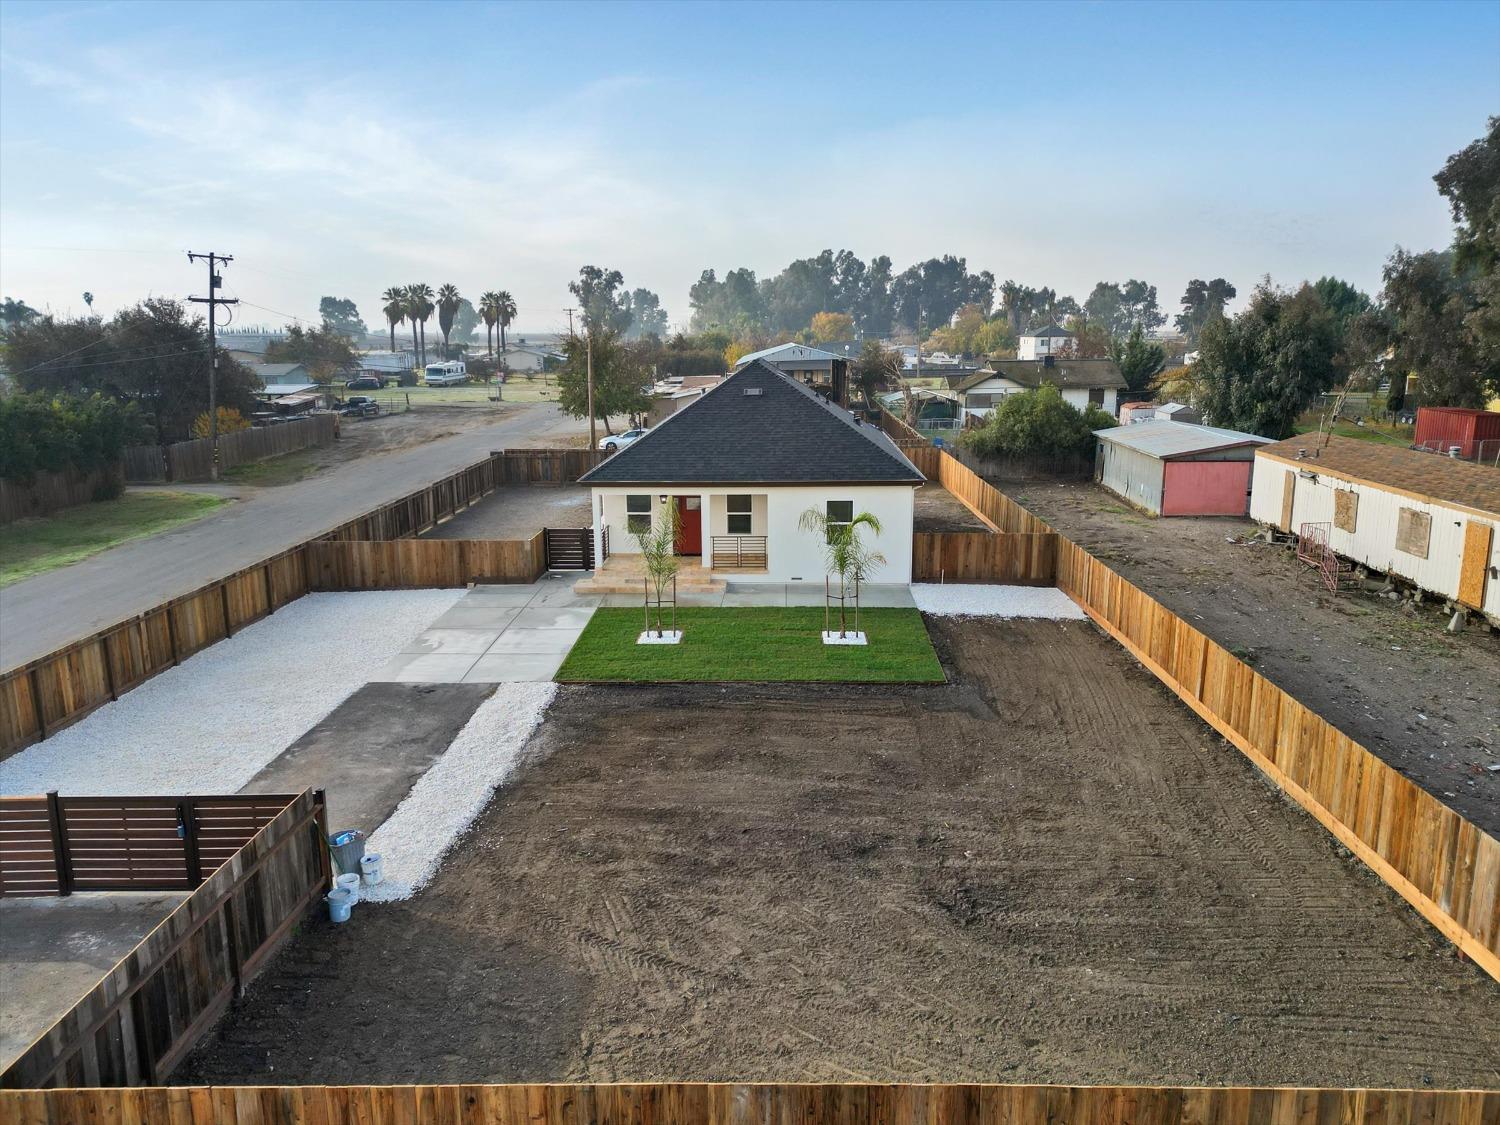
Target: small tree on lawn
845 554
659 550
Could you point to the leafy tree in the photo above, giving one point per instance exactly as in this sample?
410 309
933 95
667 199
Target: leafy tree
394 309
1342 300
930 292
1201 302
604 306
489 312
1470 181
876 369
658 545
341 316
726 304
448 301
17 312
1263 368
795 295
828 326
995 338
1120 306
230 420
324 351
1180 384
51 433
506 306
1431 309
647 317
154 354
1140 361
1090 340
419 308
1037 423
621 378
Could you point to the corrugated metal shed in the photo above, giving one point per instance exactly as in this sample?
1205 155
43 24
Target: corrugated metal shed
1161 438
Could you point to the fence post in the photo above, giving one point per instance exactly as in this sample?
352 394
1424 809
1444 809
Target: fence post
187 816
224 601
109 668
60 857
36 703
172 631
232 944
325 861
145 1055
270 589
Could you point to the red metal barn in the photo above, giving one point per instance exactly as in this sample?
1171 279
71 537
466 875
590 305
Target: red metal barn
1178 469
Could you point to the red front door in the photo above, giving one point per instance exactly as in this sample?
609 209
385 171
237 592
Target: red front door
689 525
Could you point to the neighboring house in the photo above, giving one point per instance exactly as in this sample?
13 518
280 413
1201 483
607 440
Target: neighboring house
289 397
826 373
275 374
1041 342
672 395
529 359
248 346
1433 521
1177 469
386 362
1082 381
739 468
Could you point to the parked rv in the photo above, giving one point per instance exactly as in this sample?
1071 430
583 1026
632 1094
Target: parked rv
449 374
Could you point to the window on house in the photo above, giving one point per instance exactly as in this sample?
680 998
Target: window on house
1096 396
739 515
840 515
638 514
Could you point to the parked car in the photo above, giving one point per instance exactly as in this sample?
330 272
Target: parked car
613 443
366 382
360 406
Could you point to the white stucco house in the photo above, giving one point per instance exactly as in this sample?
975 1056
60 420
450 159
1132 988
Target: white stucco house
740 466
1040 342
1082 381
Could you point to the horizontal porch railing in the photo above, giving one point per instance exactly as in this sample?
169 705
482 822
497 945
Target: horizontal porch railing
743 551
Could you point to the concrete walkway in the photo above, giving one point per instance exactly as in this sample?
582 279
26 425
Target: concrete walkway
742 594
497 635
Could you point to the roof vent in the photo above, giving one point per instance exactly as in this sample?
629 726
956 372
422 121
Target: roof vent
753 392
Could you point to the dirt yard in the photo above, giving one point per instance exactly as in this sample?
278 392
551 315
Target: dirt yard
518 512
1047 870
1391 678
937 509
366 437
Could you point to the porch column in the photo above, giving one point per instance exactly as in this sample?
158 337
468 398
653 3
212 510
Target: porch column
705 526
597 507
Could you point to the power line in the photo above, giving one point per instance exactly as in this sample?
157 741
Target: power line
213 301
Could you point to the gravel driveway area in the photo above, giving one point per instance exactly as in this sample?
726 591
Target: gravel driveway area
210 724
518 512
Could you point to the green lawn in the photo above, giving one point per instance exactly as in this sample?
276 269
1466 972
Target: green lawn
766 645
33 546
1370 431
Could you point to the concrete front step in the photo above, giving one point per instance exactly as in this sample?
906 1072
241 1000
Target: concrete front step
622 585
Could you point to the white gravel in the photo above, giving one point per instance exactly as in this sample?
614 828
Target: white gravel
210 724
958 599
447 798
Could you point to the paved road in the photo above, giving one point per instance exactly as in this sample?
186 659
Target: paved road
42 614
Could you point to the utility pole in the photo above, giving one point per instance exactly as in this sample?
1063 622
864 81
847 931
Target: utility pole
588 328
213 301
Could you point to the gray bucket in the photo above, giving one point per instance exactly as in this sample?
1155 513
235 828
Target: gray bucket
340 904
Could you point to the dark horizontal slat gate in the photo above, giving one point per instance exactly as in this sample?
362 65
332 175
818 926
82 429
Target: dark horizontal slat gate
569 548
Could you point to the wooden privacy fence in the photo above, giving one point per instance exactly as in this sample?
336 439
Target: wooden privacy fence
400 564
48 492
703 1103
1437 860
544 466
1015 558
193 460
54 845
986 501
423 509
47 694
136 1025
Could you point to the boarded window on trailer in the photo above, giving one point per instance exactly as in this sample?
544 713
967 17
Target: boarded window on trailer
739 515
1345 509
840 516
1413 530
638 514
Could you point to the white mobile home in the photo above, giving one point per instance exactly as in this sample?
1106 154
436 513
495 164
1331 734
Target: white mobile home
1431 520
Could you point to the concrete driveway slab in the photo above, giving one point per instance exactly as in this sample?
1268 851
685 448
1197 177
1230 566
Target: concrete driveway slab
805 595
463 616
558 617
535 641
493 597
514 667
475 641
430 668
754 594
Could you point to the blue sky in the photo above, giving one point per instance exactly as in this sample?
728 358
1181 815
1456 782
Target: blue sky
341 148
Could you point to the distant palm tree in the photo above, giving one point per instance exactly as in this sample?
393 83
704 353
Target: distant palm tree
448 302
489 311
394 309
505 306
419 307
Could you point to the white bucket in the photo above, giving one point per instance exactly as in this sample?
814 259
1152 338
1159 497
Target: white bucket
348 883
371 869
339 905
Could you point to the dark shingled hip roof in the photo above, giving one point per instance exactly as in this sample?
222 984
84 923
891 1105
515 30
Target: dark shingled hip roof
780 433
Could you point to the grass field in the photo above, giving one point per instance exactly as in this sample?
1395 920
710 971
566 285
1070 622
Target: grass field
29 547
472 394
769 645
1370 431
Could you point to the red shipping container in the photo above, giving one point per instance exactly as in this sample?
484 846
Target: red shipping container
1442 427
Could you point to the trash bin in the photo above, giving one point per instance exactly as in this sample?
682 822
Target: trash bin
347 848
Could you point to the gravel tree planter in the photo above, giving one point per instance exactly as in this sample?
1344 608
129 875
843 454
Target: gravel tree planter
665 637
834 637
